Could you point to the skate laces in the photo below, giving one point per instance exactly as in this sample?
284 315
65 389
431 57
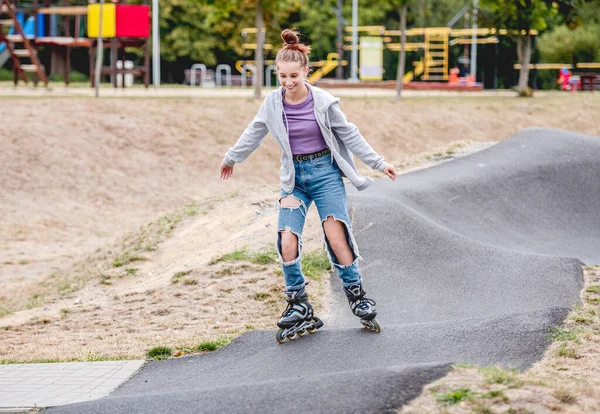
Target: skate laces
359 299
293 300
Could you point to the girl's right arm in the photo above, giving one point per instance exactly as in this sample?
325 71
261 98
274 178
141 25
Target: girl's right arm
249 140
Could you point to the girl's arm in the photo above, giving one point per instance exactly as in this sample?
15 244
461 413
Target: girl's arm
249 140
349 134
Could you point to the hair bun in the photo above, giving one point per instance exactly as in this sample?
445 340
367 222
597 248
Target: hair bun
290 37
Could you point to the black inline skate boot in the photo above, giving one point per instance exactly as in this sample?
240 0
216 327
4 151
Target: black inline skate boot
362 307
298 318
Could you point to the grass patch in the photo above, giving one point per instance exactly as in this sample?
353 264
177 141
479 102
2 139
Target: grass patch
177 276
209 346
105 280
593 289
498 375
160 352
4 311
566 352
314 264
455 396
493 394
189 282
593 301
265 256
564 396
261 296
126 258
131 271
64 312
582 319
561 333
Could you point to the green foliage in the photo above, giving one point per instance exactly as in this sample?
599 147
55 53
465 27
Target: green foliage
314 264
213 345
178 275
562 334
518 14
6 74
563 45
566 352
185 30
265 256
455 396
73 77
160 352
498 375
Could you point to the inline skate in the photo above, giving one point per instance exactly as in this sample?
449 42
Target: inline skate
362 307
298 318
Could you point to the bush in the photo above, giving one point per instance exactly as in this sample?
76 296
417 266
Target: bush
563 45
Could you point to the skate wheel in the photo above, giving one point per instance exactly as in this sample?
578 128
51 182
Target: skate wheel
311 330
292 336
281 338
302 332
372 325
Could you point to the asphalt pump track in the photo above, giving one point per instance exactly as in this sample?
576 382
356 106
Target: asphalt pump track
471 261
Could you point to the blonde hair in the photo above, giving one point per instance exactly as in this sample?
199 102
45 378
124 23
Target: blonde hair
292 50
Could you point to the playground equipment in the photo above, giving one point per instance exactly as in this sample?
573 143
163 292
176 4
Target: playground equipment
245 68
218 76
270 69
124 25
19 36
193 71
326 66
28 29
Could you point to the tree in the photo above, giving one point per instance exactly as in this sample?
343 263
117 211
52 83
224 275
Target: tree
519 18
402 55
260 44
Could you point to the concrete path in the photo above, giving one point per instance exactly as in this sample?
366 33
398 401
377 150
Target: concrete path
469 261
198 92
23 386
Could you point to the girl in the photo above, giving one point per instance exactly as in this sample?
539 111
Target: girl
317 145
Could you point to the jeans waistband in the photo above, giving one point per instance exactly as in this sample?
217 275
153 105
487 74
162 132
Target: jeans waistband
306 157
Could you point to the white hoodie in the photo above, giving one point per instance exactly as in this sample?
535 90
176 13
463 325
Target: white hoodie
342 138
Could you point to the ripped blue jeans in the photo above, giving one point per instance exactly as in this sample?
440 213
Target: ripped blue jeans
318 180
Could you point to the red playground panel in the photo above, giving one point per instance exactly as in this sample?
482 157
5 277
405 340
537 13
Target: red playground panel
133 20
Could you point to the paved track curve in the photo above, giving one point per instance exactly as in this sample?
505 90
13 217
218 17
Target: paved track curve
471 261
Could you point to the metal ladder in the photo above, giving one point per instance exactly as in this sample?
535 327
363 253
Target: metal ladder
27 52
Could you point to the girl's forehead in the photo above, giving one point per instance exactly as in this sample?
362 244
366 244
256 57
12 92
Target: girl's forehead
289 67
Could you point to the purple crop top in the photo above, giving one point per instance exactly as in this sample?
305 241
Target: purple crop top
303 129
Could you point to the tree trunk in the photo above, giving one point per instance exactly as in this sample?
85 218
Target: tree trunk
57 61
260 41
524 54
339 71
402 54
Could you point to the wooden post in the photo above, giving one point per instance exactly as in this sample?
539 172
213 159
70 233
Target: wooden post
92 49
113 59
146 63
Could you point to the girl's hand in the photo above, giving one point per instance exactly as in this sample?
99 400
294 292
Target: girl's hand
390 171
226 171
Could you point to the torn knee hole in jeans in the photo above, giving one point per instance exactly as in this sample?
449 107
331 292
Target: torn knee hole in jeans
287 229
349 239
291 202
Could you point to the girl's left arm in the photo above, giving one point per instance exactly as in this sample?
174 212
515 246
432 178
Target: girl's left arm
349 134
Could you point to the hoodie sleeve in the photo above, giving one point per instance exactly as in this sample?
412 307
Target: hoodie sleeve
349 134
249 140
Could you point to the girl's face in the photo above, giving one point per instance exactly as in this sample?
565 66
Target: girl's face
291 75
